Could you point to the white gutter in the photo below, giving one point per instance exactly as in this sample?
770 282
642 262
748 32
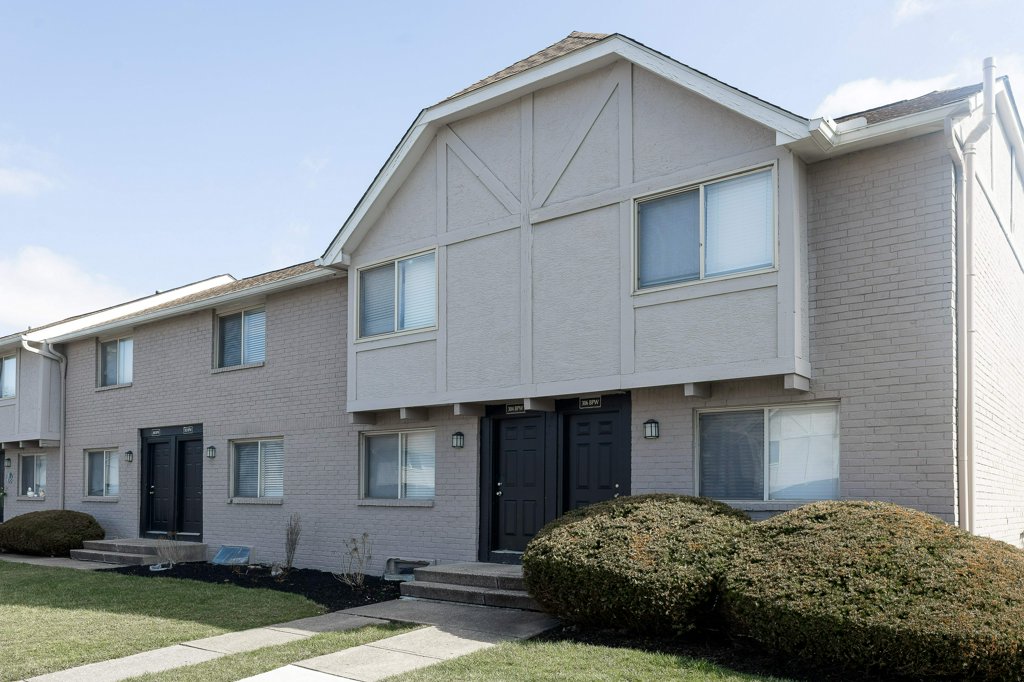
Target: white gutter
185 308
48 351
964 166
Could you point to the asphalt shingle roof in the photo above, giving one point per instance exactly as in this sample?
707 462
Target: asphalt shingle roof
933 100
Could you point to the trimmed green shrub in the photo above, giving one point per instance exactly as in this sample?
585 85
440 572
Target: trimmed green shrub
880 588
54 532
645 563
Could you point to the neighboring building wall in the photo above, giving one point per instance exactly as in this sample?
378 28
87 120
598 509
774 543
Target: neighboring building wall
297 394
882 335
998 344
34 411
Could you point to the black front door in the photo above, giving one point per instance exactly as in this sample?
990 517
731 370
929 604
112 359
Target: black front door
172 482
519 490
537 465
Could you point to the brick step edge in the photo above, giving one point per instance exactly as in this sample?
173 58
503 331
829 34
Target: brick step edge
464 594
113 557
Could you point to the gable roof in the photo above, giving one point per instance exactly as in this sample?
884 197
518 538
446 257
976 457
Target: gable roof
571 42
575 54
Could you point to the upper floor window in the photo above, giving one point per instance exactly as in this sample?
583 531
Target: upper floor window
259 468
116 359
8 376
711 230
398 296
102 473
242 338
774 453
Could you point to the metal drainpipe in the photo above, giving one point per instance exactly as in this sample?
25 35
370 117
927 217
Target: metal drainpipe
965 294
48 351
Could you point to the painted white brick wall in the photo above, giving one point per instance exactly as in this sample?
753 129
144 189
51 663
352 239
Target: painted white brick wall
882 335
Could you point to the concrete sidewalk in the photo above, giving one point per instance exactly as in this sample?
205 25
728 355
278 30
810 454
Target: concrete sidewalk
455 630
56 562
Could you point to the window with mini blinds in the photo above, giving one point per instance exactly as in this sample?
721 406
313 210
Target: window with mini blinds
398 296
772 453
399 465
713 229
259 468
102 473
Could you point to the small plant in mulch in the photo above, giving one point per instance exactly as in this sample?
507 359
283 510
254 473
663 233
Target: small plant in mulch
358 557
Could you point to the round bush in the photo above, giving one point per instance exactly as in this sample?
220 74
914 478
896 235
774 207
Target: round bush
880 588
54 532
645 563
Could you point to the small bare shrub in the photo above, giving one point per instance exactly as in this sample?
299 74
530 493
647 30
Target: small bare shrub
171 551
360 553
291 540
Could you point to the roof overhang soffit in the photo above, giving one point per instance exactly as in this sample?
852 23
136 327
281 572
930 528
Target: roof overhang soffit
789 127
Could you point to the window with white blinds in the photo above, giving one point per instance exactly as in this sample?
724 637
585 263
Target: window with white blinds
779 453
8 376
399 465
242 338
102 473
116 359
259 468
714 229
398 296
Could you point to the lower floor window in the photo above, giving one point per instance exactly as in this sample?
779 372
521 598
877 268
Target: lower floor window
259 468
774 453
33 475
399 465
102 469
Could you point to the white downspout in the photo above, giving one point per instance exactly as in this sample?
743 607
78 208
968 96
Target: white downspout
965 295
48 351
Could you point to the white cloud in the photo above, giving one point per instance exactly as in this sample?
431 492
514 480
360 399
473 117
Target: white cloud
42 286
867 93
872 92
23 182
906 10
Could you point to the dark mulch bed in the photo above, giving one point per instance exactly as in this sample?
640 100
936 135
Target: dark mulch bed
717 648
317 586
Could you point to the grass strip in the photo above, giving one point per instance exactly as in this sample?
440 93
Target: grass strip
531 661
238 666
57 618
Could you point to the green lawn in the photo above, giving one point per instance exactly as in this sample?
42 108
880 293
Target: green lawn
571 662
56 618
238 666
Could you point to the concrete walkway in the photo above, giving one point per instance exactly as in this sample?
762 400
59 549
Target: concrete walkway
56 562
455 630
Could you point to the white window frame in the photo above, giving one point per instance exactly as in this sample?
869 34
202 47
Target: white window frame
702 238
364 464
107 455
3 360
260 468
220 315
99 361
35 481
394 263
766 493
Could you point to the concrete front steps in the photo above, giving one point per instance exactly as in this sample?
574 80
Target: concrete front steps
498 585
137 551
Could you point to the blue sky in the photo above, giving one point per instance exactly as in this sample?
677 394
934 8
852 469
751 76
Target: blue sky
144 145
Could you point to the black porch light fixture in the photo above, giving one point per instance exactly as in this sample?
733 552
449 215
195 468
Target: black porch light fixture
651 429
211 452
7 462
458 440
129 455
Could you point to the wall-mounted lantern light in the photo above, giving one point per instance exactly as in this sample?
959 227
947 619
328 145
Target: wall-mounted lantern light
7 462
458 440
129 455
211 452
651 429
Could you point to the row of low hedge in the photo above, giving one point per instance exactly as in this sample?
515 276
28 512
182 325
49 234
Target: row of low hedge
53 532
864 585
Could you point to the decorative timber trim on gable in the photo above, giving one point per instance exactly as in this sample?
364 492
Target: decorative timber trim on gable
603 52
